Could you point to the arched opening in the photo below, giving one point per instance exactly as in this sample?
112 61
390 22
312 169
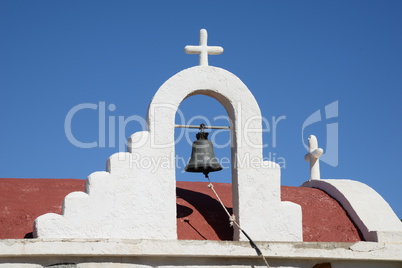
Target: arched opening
194 111
199 215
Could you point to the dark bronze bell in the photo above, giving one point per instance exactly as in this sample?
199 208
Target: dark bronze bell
202 155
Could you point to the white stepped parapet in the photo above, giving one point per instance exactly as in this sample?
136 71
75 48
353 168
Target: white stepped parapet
126 202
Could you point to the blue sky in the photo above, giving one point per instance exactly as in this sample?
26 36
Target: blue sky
296 57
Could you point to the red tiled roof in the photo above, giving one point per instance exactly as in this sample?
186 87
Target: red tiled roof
199 214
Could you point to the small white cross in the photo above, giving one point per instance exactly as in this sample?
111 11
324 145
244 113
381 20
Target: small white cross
203 49
313 157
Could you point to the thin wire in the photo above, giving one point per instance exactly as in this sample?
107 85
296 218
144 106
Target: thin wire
232 221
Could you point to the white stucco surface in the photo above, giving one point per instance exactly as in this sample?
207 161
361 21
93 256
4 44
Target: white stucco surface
370 212
137 201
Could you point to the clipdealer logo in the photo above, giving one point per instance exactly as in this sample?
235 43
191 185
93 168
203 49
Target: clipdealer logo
331 152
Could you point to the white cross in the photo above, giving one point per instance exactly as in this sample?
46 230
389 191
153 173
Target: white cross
313 157
203 49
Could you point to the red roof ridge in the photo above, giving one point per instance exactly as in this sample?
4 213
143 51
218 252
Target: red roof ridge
199 214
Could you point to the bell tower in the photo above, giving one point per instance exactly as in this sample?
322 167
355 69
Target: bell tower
127 201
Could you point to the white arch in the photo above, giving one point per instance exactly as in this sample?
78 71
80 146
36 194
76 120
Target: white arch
256 183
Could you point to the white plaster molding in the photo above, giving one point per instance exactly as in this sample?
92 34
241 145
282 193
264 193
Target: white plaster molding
313 157
370 212
210 252
137 202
